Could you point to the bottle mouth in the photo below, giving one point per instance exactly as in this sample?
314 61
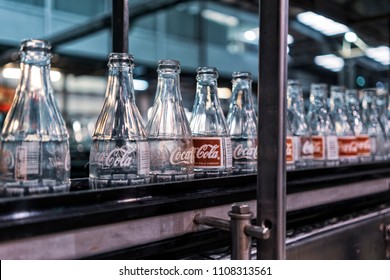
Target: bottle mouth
168 64
207 70
242 75
35 45
121 58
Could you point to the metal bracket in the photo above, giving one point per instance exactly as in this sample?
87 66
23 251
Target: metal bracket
240 227
386 229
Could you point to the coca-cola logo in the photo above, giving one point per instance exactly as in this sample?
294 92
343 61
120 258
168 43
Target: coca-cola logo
289 150
307 148
182 156
318 147
363 145
241 152
348 147
208 152
118 157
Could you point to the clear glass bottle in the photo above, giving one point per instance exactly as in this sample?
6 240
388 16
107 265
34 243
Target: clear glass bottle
321 126
242 124
381 104
34 143
357 125
168 130
212 144
120 152
290 151
371 120
303 143
348 146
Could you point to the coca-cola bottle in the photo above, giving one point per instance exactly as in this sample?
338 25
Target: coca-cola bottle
242 124
303 144
34 146
169 132
212 144
371 120
348 146
290 152
357 125
381 103
321 126
119 153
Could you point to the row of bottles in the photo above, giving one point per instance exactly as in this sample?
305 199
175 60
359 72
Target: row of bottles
34 144
341 130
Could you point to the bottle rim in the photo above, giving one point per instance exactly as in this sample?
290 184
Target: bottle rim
32 44
207 70
242 74
169 64
293 82
124 58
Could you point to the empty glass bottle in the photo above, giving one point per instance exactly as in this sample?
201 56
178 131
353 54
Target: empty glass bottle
119 153
303 144
169 132
321 126
34 143
290 152
348 146
381 103
212 144
242 124
357 125
371 120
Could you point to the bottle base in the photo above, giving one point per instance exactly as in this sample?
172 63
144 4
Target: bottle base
32 188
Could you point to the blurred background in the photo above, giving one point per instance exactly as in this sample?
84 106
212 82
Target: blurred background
338 42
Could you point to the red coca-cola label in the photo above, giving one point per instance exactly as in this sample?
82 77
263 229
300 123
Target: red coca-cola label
289 150
348 146
318 147
363 145
306 147
208 152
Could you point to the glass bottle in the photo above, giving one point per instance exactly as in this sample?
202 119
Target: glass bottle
212 144
34 143
303 143
290 151
168 130
242 124
348 146
357 125
321 126
119 153
381 103
371 120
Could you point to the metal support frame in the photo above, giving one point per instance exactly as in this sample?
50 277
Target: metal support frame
271 176
120 26
240 227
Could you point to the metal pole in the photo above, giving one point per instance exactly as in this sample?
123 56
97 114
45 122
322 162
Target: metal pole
241 242
120 26
271 179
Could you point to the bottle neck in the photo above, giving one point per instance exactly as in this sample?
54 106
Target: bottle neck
168 87
120 83
242 94
206 90
35 77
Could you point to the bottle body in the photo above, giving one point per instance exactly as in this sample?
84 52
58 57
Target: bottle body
364 149
169 134
34 145
119 153
212 143
371 120
321 126
300 132
242 125
347 142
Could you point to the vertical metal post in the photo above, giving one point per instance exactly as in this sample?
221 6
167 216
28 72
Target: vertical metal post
271 179
120 26
241 243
